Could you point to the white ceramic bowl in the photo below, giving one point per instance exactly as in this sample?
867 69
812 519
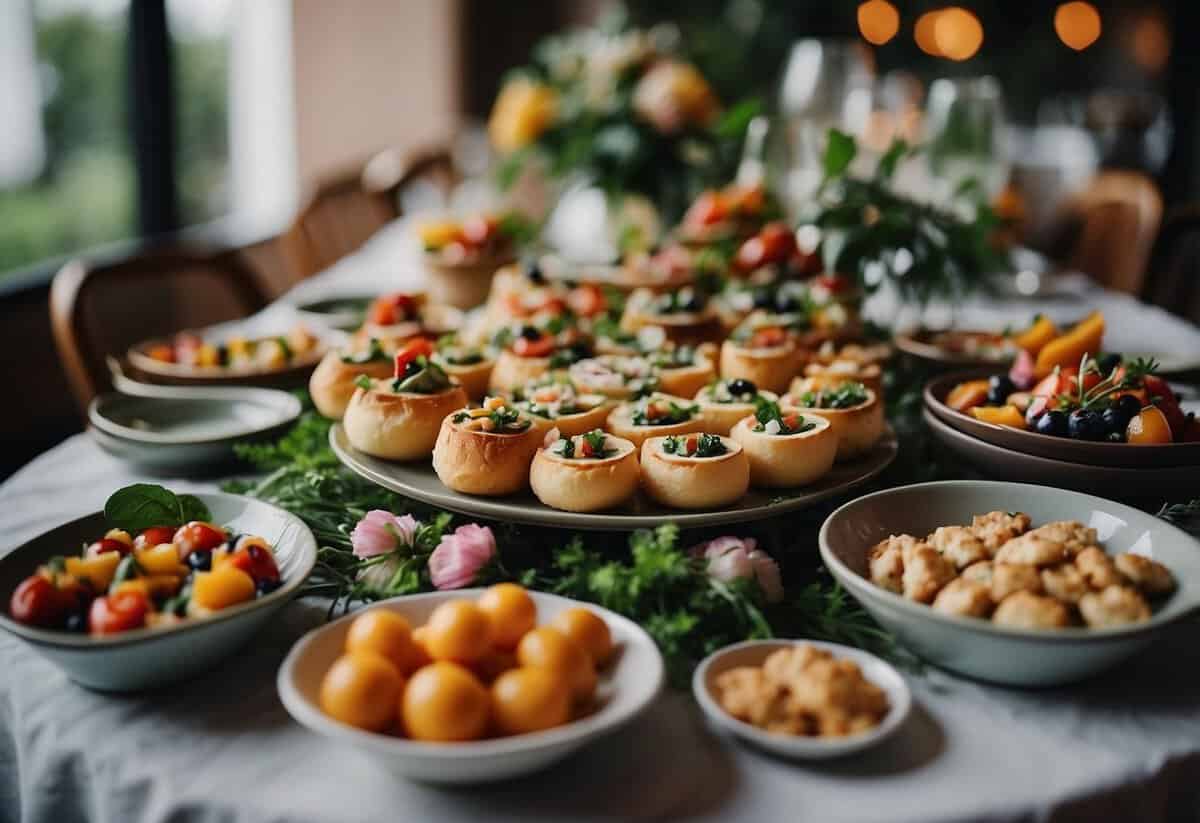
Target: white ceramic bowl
627 686
753 653
147 658
979 648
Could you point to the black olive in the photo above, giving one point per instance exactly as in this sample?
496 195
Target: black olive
999 388
267 586
763 299
200 561
76 622
1053 423
1086 424
530 333
1107 362
534 272
739 386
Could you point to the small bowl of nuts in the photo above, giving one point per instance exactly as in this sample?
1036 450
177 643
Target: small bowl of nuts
802 699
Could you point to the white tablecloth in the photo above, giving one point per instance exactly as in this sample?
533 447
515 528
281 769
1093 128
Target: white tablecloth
221 748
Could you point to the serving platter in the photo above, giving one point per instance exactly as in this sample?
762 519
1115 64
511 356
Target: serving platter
342 313
920 344
418 481
293 373
1122 455
1108 481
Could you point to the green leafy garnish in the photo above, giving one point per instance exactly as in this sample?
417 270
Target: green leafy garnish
652 411
143 505
773 421
364 382
843 396
422 376
705 445
373 354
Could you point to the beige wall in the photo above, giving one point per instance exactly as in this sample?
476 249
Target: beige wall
371 74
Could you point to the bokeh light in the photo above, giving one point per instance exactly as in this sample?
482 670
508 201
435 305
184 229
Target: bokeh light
878 21
1077 24
924 35
958 33
1150 43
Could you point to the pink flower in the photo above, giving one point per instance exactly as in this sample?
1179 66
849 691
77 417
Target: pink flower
735 558
456 561
380 532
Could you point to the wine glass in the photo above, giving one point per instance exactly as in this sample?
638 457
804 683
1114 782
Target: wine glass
825 84
965 141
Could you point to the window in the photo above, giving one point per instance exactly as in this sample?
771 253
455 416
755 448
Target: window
66 169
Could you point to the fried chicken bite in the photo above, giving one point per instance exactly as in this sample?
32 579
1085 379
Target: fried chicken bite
1025 610
925 572
1114 606
964 598
1150 576
997 528
1031 549
959 545
1008 578
1097 568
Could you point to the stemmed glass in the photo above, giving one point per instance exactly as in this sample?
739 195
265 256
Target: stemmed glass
965 141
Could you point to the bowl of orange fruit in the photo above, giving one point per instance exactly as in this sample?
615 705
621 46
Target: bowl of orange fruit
471 686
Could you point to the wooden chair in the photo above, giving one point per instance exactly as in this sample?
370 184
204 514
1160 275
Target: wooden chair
98 310
1118 216
1173 279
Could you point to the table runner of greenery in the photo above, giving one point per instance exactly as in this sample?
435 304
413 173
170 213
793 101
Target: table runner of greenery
648 576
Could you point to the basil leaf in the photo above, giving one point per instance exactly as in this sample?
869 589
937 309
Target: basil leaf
142 505
839 153
193 508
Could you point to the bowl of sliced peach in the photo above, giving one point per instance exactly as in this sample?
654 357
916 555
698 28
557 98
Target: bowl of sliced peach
473 685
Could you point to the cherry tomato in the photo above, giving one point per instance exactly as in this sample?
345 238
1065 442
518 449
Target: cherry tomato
118 612
153 536
833 283
38 602
163 354
587 300
1162 397
255 561
198 536
477 230
107 544
778 243
542 347
411 352
392 308
708 209
768 338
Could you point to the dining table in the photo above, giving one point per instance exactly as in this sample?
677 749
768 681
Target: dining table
1123 746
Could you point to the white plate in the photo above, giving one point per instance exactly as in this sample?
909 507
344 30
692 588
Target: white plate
979 648
754 652
418 480
627 686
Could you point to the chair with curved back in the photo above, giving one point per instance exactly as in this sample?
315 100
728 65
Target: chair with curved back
1118 217
97 310
1173 279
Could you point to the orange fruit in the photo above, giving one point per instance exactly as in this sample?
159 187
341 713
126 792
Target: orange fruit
458 630
548 648
1148 427
529 700
511 611
382 631
588 630
445 702
361 689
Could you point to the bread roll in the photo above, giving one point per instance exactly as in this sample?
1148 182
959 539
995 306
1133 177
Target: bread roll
585 484
858 428
398 426
621 419
787 460
768 368
694 482
489 463
332 383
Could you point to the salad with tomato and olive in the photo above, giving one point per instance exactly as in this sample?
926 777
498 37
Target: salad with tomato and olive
494 417
415 372
189 349
694 445
842 396
661 411
591 445
1103 399
142 575
771 419
474 238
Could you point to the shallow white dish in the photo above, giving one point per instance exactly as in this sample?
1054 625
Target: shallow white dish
979 648
627 686
146 658
754 652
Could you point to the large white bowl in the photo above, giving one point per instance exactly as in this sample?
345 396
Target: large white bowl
979 648
755 653
147 658
627 686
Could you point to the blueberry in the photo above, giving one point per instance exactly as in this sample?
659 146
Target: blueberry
76 622
1086 424
1053 423
999 388
267 586
739 386
1107 362
200 561
1128 406
1114 420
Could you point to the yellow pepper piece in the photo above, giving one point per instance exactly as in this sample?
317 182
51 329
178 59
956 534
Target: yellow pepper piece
160 559
1068 349
98 570
224 587
1036 336
1000 415
437 233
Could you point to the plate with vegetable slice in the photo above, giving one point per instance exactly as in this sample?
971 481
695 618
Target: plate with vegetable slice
155 588
190 358
1107 412
418 480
